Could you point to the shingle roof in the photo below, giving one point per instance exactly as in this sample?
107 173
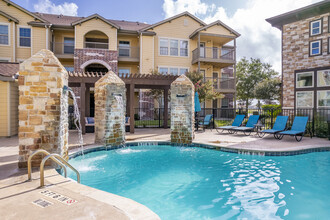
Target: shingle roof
63 20
8 69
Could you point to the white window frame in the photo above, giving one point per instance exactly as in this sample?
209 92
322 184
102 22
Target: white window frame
9 36
169 47
300 73
318 72
311 92
311 50
311 27
174 67
317 98
64 44
18 36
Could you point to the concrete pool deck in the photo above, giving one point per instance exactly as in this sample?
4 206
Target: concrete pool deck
17 195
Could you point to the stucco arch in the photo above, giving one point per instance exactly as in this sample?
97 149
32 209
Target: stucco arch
82 66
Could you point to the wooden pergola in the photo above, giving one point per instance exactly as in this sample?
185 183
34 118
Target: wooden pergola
86 80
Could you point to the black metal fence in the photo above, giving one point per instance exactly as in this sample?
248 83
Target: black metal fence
150 117
317 123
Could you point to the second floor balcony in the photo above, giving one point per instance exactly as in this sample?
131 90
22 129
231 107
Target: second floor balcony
222 57
128 54
222 84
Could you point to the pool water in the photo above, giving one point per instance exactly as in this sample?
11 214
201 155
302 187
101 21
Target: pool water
197 183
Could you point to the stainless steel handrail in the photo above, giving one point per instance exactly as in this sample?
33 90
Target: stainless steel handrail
54 157
45 153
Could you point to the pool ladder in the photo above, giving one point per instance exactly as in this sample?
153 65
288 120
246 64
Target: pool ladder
54 157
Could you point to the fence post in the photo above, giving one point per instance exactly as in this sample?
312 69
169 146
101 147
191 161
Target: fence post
213 113
159 117
271 118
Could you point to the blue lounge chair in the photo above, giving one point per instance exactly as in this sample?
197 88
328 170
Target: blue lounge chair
298 128
207 122
250 125
236 123
279 126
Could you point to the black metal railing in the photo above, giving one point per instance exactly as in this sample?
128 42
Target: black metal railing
317 122
150 117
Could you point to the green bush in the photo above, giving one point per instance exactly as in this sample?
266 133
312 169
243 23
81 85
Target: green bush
268 110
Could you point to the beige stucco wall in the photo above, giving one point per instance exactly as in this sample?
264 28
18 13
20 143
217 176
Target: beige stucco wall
4 108
295 51
95 25
218 29
127 65
13 108
147 57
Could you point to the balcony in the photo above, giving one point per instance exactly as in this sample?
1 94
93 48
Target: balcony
62 50
225 85
96 45
214 56
128 54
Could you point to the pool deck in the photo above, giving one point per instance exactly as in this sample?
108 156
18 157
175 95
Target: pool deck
17 194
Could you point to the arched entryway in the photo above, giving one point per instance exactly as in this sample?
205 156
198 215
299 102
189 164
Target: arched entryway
96 67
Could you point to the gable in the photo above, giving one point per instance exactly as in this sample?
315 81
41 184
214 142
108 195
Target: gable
218 29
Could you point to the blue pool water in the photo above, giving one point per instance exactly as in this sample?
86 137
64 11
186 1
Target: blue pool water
196 183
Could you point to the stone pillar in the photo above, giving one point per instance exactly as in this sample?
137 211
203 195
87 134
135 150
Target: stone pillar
182 110
43 107
110 107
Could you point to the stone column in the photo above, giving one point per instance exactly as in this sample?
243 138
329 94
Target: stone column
43 107
182 110
110 107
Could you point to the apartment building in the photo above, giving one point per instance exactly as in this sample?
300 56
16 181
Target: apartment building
305 56
174 46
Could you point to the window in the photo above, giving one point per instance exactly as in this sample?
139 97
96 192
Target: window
315 48
183 48
69 68
174 71
323 98
163 46
124 71
68 45
163 70
124 48
4 60
304 80
225 103
4 34
174 46
183 71
304 99
316 27
25 37
323 78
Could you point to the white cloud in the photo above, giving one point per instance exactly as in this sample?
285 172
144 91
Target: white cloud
46 6
258 38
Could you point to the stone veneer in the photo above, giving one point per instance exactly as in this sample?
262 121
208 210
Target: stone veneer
43 107
109 113
182 110
86 56
295 52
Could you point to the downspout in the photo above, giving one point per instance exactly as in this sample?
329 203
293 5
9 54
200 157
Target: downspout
14 42
140 52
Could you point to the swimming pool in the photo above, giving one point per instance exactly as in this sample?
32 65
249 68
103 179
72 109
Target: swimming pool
198 183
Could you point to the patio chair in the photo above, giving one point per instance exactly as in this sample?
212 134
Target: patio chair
207 122
298 128
250 125
236 123
279 126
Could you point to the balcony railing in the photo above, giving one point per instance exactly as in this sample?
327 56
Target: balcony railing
222 83
128 52
61 48
213 54
96 45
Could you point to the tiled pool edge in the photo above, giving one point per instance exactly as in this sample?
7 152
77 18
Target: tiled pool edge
92 148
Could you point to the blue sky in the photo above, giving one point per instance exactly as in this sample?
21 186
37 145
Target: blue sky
258 39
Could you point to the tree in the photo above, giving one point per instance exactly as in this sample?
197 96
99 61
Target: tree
204 88
268 90
248 74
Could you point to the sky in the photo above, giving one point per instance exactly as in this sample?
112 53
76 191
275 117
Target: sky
258 38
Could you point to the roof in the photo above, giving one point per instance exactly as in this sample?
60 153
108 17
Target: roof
68 21
299 14
97 16
174 17
218 22
10 18
24 10
8 69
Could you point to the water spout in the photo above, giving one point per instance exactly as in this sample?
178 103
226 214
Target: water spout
76 115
